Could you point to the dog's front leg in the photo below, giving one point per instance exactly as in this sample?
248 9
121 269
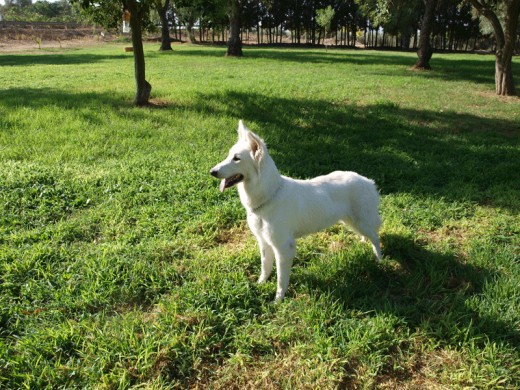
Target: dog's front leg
267 255
284 255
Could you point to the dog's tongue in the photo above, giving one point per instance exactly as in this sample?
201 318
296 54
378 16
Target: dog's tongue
222 185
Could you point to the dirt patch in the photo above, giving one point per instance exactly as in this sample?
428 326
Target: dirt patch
492 94
28 46
286 369
429 370
235 238
24 36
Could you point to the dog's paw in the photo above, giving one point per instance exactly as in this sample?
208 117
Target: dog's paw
262 279
279 297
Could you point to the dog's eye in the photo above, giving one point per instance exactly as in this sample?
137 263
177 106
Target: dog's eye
236 157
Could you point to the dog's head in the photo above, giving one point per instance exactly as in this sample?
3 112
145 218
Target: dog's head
243 161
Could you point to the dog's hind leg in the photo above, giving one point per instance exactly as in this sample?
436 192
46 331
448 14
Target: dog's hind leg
365 233
267 255
374 239
376 246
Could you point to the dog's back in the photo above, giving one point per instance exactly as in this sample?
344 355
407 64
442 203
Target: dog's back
308 206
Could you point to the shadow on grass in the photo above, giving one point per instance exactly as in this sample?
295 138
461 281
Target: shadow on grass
459 157
41 97
90 107
479 69
314 56
429 290
475 70
68 58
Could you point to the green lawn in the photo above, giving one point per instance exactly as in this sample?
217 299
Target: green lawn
122 265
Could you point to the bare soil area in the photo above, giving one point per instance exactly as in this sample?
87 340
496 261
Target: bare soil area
17 46
20 37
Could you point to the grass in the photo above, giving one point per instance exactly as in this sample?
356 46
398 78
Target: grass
122 265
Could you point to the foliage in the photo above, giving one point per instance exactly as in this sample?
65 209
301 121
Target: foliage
121 264
499 8
106 13
41 11
456 19
324 18
109 13
454 22
377 11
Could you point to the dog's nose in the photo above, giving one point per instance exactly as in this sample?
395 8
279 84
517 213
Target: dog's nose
214 172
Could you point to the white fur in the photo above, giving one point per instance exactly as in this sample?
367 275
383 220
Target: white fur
281 209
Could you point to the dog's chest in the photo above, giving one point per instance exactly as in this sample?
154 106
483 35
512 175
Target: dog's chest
256 224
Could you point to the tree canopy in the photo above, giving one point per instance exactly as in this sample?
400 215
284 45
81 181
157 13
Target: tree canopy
40 11
373 23
426 25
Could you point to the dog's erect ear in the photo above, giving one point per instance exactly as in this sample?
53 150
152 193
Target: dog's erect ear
257 146
242 130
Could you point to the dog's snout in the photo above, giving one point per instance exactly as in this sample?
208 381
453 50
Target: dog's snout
214 172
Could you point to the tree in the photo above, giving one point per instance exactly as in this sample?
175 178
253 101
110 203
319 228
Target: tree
377 13
162 7
324 18
347 17
455 25
188 13
503 16
108 13
403 21
234 44
139 12
40 11
425 51
18 3
214 17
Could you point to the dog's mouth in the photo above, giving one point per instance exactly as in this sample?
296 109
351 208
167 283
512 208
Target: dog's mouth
230 181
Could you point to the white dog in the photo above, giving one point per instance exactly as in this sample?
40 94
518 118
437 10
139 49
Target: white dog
281 209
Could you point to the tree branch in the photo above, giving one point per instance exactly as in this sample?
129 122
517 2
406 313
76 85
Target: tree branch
490 15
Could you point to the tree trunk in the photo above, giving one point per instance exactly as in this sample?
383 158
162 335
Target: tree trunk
504 82
234 42
165 28
425 51
144 88
191 34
